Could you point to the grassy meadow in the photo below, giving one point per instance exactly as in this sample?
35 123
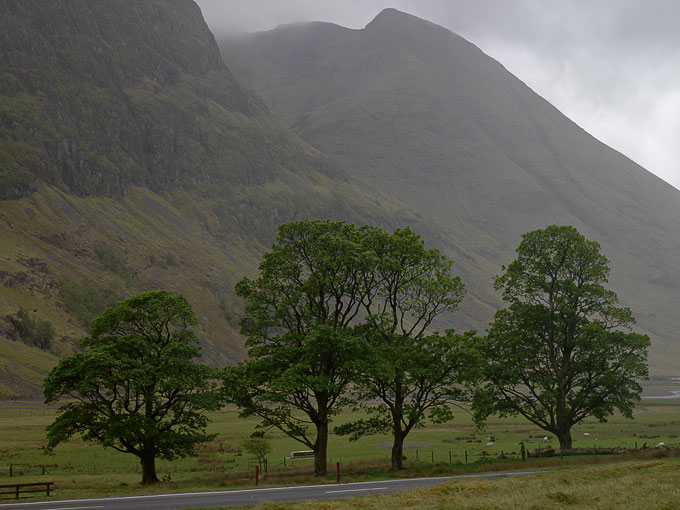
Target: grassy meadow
81 469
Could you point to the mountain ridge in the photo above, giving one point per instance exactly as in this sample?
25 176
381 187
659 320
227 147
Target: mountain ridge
417 111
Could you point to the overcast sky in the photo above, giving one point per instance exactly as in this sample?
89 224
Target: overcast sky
612 66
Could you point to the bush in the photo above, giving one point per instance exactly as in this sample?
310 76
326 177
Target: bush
113 261
34 331
86 300
258 447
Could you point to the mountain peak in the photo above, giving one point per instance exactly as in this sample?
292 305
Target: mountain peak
393 25
392 17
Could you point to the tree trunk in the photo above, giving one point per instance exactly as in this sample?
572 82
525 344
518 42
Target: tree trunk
148 461
148 454
564 437
397 416
320 448
398 450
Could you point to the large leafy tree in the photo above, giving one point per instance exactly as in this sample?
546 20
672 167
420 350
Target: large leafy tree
561 350
136 388
299 323
413 373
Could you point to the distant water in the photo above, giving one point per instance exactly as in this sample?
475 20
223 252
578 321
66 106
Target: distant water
669 389
673 394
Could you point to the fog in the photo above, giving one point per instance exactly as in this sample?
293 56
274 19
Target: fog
612 66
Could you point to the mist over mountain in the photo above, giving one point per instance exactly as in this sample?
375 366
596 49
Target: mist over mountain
416 111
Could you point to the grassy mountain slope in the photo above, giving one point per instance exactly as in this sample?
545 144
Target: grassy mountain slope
22 369
423 115
130 159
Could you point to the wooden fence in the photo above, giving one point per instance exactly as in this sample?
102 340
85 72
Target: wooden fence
24 488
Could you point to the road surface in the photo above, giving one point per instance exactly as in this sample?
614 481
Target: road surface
241 497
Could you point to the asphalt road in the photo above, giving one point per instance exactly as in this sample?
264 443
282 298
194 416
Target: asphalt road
244 496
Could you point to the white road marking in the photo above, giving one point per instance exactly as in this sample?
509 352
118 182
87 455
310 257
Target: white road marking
357 490
263 489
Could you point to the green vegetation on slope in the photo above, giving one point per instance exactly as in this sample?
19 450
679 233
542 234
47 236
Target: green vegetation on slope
22 369
132 160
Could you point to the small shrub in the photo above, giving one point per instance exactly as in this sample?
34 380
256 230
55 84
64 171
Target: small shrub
259 448
169 259
113 261
85 300
34 331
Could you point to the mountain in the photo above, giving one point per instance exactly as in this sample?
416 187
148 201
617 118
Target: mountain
412 109
131 159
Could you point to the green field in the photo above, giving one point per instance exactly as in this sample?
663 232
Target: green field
80 469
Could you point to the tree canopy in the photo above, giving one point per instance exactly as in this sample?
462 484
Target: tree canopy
339 309
135 387
299 326
561 350
412 372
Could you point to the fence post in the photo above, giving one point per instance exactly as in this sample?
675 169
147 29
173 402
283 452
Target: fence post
466 456
432 456
449 456
416 453
337 472
10 470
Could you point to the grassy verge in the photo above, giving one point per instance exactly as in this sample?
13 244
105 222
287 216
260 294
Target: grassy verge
630 485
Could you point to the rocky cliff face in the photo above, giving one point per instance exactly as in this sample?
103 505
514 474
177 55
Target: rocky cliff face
101 94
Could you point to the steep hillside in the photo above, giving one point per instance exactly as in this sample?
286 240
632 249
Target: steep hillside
98 95
421 114
130 159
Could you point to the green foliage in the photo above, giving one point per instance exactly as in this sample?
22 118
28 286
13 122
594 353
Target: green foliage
34 331
414 374
298 323
556 354
86 300
113 261
307 342
259 447
135 387
169 259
